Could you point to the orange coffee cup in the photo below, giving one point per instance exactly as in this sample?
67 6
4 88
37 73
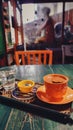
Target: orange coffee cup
55 85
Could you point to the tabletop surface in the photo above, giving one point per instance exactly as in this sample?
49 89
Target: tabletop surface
15 119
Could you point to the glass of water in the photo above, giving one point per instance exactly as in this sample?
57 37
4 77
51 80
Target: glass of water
2 78
9 78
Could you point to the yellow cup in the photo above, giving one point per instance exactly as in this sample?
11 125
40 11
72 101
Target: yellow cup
26 86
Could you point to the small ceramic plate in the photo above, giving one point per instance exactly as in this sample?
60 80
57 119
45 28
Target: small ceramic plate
25 97
43 96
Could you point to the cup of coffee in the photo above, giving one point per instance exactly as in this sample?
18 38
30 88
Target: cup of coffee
55 85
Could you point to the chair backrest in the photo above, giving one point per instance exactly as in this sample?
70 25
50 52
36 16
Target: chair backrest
33 57
67 50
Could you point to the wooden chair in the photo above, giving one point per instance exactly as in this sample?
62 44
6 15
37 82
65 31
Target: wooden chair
33 57
67 51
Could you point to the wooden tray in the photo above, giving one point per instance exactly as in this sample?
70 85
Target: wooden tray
55 112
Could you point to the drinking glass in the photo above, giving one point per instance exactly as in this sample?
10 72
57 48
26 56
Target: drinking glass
8 79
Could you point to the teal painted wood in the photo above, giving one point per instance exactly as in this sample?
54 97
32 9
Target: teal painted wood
13 119
37 72
4 115
67 70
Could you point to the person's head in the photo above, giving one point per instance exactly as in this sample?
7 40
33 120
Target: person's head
46 11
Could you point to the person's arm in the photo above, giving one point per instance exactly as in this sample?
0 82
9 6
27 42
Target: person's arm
42 27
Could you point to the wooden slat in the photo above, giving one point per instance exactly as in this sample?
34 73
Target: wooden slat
45 58
34 59
39 58
23 59
50 57
28 59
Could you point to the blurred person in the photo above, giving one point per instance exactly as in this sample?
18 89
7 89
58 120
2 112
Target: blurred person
48 38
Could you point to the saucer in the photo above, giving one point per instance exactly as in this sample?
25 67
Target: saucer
43 96
25 97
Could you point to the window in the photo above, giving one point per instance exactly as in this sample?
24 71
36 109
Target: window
33 18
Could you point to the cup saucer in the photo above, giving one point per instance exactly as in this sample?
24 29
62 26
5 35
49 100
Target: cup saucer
25 97
43 96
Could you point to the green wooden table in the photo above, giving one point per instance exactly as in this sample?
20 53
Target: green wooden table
15 119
